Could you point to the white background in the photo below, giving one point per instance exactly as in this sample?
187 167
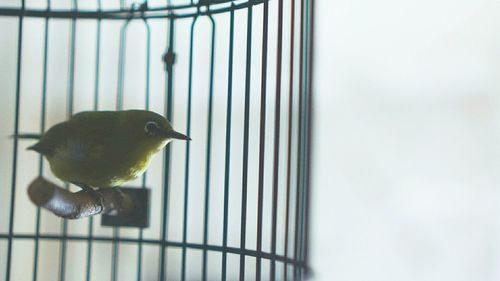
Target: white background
406 140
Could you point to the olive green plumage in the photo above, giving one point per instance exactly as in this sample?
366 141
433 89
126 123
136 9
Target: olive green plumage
105 148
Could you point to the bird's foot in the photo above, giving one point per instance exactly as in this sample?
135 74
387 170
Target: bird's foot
92 192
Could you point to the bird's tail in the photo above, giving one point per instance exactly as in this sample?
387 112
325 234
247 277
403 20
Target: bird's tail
26 136
36 146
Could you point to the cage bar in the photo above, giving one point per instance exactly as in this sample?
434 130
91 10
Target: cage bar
228 144
42 129
16 143
169 61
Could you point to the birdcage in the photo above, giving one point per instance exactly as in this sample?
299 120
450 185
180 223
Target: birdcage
235 76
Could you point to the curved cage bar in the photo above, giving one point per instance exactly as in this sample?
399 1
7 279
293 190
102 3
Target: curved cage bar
235 76
137 11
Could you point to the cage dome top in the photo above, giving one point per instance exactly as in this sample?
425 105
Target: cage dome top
134 11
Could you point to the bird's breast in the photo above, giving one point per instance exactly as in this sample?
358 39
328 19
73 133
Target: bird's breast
98 165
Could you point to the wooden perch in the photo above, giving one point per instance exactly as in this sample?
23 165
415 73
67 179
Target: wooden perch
63 203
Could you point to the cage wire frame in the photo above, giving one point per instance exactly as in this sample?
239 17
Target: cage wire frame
296 257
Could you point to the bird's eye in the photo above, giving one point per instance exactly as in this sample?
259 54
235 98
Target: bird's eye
151 128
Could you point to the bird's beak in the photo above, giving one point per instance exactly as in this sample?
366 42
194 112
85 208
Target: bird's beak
175 135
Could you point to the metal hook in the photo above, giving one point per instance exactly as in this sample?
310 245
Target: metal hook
169 59
202 3
143 8
138 7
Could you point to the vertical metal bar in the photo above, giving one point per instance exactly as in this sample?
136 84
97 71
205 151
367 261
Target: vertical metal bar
169 114
296 251
148 70
42 129
309 134
16 132
297 269
186 174
303 142
228 142
144 177
262 138
290 127
71 86
96 107
119 106
115 252
245 144
277 136
303 136
121 66
71 79
307 124
209 150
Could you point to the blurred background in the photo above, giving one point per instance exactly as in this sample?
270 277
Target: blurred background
406 140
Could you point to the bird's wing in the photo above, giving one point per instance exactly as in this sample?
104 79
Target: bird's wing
82 138
92 134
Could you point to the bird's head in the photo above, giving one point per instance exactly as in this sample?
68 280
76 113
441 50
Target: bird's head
147 132
155 127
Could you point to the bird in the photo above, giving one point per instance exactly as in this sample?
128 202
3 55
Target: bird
104 149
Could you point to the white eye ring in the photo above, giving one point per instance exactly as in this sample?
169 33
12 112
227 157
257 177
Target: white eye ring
150 127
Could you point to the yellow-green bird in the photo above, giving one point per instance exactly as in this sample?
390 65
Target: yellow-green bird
105 148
